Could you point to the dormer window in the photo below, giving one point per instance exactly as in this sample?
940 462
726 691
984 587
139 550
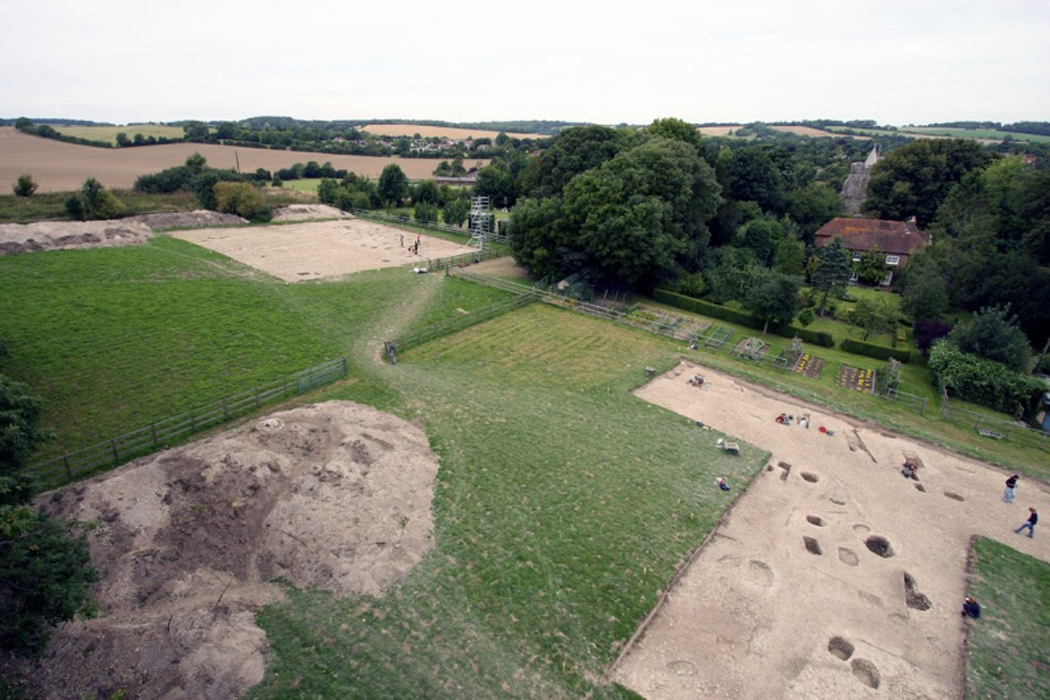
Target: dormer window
893 260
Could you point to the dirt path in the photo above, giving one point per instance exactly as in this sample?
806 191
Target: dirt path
401 316
794 597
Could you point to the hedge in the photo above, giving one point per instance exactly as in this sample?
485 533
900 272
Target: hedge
982 381
878 351
742 318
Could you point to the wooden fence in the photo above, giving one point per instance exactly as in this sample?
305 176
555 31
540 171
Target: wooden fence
80 463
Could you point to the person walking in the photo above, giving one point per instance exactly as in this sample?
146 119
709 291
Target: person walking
1033 518
1008 494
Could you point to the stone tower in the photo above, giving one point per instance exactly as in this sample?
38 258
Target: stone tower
855 189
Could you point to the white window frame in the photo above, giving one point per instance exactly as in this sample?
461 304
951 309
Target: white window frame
853 276
888 279
893 260
856 257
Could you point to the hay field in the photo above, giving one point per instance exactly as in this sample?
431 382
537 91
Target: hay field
797 130
59 166
718 130
109 133
439 131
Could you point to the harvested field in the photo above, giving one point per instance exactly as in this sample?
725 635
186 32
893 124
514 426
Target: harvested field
109 133
59 167
816 133
321 249
830 576
448 132
718 130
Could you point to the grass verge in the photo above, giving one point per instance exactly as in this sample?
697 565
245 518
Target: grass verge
1006 650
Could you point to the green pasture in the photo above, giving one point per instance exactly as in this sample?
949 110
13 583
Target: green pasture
993 134
109 133
305 184
1006 649
563 504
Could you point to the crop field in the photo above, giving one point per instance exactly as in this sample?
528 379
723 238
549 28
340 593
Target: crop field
564 505
447 132
109 133
61 167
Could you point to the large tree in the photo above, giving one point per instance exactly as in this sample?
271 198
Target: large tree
994 335
393 184
831 272
773 298
751 174
633 219
914 180
576 150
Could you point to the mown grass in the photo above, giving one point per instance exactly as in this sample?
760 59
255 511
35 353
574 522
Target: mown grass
1006 650
563 506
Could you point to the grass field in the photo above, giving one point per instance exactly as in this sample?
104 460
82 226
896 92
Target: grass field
447 132
1007 648
563 503
989 134
109 133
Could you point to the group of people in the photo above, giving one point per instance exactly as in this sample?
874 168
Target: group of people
1033 516
971 608
785 419
413 247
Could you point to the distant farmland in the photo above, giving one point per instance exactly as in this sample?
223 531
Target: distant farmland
797 130
448 132
109 133
59 167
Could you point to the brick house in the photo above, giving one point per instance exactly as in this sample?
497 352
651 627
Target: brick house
898 240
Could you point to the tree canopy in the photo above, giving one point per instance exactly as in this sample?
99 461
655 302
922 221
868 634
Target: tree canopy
915 179
631 219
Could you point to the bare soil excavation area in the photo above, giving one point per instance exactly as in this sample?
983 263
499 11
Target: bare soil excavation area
833 576
334 496
321 249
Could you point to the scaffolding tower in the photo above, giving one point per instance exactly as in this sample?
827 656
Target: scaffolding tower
480 221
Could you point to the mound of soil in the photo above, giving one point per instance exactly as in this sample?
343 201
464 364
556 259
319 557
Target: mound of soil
187 219
334 496
48 235
303 212
131 230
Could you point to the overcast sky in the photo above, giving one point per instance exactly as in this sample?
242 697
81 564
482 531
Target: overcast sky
892 61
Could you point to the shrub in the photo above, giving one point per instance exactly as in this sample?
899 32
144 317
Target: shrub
277 182
74 206
928 331
239 198
806 316
24 186
426 213
880 352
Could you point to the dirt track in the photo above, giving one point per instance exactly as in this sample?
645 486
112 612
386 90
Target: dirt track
788 587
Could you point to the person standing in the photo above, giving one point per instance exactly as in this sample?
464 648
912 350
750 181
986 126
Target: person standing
1008 494
1033 518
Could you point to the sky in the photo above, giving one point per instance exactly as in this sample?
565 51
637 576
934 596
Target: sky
896 62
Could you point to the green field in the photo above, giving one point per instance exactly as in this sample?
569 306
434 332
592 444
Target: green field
306 184
1007 649
993 134
563 504
109 133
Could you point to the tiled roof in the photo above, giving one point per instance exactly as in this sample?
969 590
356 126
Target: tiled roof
894 237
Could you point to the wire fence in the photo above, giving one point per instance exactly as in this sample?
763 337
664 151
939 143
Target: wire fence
490 236
991 427
77 464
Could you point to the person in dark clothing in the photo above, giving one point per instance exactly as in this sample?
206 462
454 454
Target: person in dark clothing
1008 494
971 608
1033 518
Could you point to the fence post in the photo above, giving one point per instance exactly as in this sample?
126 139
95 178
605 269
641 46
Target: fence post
225 410
116 455
153 432
346 370
65 461
922 411
284 392
193 422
